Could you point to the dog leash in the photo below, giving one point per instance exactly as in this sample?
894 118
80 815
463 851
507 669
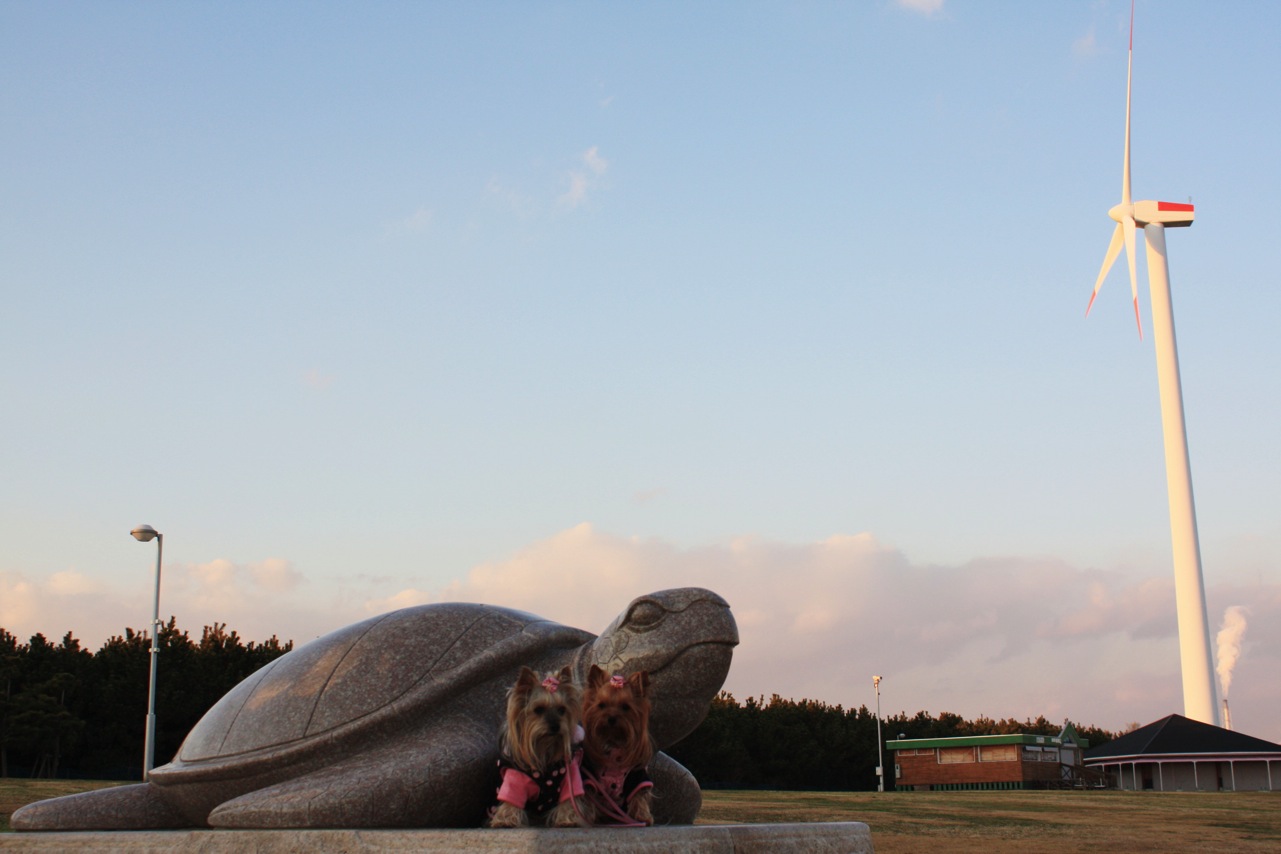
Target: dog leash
601 799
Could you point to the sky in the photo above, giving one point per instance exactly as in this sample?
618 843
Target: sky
551 305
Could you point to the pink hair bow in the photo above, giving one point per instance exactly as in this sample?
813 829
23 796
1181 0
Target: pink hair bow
616 681
551 683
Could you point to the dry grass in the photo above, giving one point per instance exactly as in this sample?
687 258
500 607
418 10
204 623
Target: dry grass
1015 822
960 822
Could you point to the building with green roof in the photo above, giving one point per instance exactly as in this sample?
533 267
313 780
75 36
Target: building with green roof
1011 761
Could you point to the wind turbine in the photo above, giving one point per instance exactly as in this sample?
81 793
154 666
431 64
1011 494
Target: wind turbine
1189 586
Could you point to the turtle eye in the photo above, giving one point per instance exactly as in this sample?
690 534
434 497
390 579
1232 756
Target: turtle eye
645 614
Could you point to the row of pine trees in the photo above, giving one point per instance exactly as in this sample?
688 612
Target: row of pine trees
810 745
69 712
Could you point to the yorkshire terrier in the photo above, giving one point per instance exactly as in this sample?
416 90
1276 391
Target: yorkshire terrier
541 754
617 745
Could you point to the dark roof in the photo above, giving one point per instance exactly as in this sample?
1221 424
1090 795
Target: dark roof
1177 734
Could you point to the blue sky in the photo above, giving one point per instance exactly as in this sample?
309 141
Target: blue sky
554 304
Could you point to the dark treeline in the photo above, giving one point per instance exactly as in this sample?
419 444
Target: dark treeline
806 744
69 712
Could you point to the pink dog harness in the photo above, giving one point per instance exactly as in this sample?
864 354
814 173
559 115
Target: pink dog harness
614 785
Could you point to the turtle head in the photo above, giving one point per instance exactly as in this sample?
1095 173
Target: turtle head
684 638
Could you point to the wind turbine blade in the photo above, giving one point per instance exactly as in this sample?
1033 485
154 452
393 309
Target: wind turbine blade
1128 225
1118 238
1129 79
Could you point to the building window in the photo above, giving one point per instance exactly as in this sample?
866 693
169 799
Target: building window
955 755
999 753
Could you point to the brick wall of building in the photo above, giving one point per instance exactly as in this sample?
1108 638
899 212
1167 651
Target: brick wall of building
926 770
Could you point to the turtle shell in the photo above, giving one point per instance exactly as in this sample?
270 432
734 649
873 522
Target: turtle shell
373 675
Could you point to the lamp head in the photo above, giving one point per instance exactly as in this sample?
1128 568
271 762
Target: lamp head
144 533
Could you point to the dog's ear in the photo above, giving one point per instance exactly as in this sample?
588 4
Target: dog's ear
526 682
639 682
596 678
566 676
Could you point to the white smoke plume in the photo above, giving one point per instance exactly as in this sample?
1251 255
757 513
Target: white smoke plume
1228 643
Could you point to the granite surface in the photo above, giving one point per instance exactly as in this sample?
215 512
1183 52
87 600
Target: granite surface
392 722
829 838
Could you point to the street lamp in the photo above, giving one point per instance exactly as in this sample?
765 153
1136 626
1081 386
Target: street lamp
145 534
880 766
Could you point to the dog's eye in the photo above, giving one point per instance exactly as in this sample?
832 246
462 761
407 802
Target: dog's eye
560 711
540 709
601 704
624 708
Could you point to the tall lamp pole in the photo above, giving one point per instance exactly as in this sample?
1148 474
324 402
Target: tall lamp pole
145 534
880 762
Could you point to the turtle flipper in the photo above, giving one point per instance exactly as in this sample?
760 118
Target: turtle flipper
445 780
136 807
677 796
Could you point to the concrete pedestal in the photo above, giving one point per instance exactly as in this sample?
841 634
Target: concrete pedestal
827 838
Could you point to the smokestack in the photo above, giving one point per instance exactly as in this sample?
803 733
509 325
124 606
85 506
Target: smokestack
1227 716
1231 632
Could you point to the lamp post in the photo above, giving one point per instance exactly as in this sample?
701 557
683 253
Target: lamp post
145 534
880 766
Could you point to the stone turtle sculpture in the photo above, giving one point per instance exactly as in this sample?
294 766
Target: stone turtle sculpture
392 722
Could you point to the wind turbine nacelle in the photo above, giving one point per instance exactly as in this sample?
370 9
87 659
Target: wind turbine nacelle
1169 214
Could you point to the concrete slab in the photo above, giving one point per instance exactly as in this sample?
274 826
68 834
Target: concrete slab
820 838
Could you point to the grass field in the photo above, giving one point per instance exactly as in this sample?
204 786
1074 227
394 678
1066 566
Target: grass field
1013 822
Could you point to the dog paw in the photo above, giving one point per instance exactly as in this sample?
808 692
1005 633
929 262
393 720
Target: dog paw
639 808
509 816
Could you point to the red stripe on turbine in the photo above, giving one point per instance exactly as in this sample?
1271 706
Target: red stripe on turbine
1173 206
1137 322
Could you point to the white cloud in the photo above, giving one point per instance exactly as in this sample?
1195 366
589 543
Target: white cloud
509 198
929 8
19 601
275 574
646 496
72 583
65 601
1085 45
582 180
314 379
577 192
998 636
419 222
1003 636
406 598
594 162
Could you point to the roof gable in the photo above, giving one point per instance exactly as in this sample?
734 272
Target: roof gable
1069 736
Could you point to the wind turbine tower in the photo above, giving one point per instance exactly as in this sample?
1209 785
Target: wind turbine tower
1189 586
